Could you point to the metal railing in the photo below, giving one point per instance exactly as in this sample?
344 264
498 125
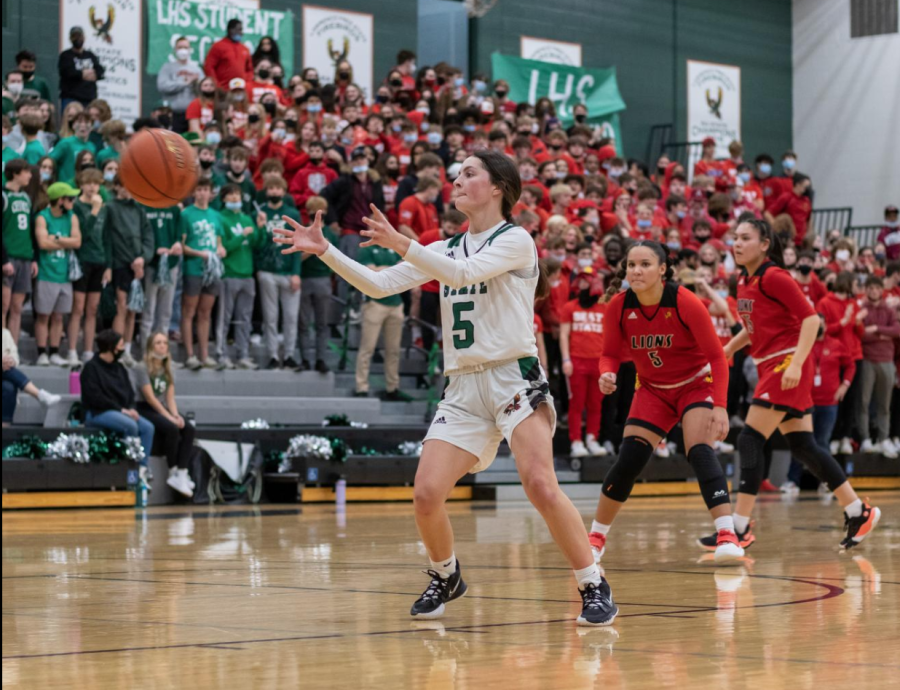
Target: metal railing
660 135
863 235
824 219
687 153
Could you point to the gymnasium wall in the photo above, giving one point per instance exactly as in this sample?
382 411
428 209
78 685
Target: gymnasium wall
846 108
649 42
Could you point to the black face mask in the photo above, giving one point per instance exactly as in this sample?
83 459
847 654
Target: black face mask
804 269
78 43
441 81
165 121
27 75
315 161
253 119
393 173
274 199
291 122
586 300
208 94
117 355
708 264
343 76
264 73
701 239
206 164
580 118
269 108
298 100
278 80
396 83
661 170
501 93
313 83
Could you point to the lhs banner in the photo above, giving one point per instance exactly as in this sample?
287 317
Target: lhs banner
566 86
112 31
204 23
332 35
714 104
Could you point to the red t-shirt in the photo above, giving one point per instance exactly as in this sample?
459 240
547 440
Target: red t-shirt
833 309
798 208
586 336
834 365
197 110
670 342
257 90
418 215
814 290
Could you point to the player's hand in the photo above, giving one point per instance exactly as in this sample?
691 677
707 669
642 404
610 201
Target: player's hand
8 269
382 233
608 384
718 423
299 238
791 377
568 368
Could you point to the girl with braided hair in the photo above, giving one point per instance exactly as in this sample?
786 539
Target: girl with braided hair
682 376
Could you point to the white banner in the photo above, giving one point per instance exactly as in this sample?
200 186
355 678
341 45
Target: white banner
714 104
112 31
243 4
545 50
330 36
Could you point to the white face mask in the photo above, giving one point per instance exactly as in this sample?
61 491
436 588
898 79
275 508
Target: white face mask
842 255
584 263
15 88
183 54
360 169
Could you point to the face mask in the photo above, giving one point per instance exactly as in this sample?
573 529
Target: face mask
183 54
208 94
459 82
313 82
410 138
434 138
501 93
586 300
842 255
625 285
27 75
238 97
425 126
5 139
343 76
707 263
892 223
237 38
788 163
109 176
615 173
206 164
15 88
880 256
274 199
729 242
765 169
722 293
313 107
78 43
469 128
264 73
45 176
396 83
804 269
393 173
561 174
269 108
234 206
559 256
278 134
584 263
681 214
381 98
360 169
580 118
253 118
479 86
744 177
213 138
674 246
644 223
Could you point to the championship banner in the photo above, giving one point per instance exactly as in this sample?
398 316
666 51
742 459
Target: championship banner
112 31
331 35
204 23
566 86
714 104
546 50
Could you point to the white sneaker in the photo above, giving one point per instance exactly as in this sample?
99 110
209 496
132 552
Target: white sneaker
57 361
127 360
179 482
46 398
190 481
662 450
247 363
87 356
43 360
609 447
869 447
835 448
595 448
846 446
790 488
889 450
222 365
578 450
723 447
72 360
736 422
823 490
193 363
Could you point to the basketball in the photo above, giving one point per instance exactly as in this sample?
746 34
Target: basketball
158 168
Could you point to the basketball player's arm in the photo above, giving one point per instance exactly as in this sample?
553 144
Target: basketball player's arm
696 318
511 251
376 284
613 343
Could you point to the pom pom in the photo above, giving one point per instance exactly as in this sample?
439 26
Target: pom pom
70 446
255 424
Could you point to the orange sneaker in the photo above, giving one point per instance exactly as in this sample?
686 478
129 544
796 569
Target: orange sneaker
745 539
598 545
858 528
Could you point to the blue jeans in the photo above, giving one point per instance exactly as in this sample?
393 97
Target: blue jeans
824 418
112 420
13 381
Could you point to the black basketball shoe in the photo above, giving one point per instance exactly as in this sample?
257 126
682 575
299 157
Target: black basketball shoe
858 528
439 592
598 607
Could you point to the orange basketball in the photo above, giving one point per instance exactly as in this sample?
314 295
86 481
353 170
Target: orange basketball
158 167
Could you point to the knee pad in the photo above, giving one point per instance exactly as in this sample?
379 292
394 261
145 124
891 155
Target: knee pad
818 460
633 457
750 446
713 485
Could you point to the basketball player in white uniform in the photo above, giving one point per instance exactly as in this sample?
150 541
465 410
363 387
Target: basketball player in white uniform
495 385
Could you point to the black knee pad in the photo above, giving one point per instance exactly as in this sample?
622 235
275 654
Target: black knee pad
633 457
818 460
713 485
750 445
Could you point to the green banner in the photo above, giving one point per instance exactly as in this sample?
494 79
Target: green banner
204 23
566 86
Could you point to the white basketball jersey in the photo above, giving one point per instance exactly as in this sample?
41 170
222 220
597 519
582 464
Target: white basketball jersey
490 321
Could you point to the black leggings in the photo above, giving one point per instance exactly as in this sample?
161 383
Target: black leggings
175 443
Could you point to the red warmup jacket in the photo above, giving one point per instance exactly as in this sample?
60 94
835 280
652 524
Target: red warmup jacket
832 308
798 208
834 366
814 290
309 181
228 60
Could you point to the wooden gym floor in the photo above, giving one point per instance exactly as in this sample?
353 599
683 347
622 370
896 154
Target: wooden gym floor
293 597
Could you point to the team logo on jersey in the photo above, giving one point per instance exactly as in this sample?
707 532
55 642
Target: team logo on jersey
440 420
651 342
631 316
514 405
785 363
669 314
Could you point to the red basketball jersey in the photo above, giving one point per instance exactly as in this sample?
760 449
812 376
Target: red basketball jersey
671 342
771 305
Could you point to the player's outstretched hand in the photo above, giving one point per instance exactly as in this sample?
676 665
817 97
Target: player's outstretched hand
718 423
382 233
299 238
608 384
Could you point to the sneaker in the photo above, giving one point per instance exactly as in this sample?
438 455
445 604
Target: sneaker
86 357
73 360
146 476
768 487
835 448
57 361
610 448
866 447
578 450
179 482
858 528
321 367
304 366
439 592
193 363
43 360
396 396
597 607
273 365
248 364
846 446
594 448
723 447
736 422
290 364
46 398
598 545
222 365
728 548
127 360
789 488
745 539
662 450
889 450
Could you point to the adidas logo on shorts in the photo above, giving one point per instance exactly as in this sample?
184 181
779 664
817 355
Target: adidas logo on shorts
440 420
709 399
764 396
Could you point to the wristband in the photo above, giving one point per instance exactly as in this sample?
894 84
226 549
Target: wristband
566 360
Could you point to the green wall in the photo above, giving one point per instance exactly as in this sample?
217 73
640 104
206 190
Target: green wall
649 42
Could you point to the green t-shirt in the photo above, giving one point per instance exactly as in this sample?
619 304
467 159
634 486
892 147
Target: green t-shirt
313 266
158 383
53 266
92 249
238 262
37 86
164 222
107 154
34 151
267 256
9 155
17 227
64 154
248 192
379 256
200 229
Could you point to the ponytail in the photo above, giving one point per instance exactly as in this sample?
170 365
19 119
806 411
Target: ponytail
775 252
616 283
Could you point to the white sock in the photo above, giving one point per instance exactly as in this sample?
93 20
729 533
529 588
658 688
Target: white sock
726 523
446 567
600 528
591 575
854 509
127 348
740 523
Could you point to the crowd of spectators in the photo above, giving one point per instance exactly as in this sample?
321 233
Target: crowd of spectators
271 144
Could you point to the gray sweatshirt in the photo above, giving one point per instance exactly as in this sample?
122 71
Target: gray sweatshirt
173 83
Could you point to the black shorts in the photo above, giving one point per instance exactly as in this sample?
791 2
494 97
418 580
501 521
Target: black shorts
91 279
122 277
